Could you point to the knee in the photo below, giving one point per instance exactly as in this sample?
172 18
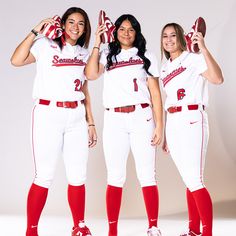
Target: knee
193 186
147 179
43 182
116 180
76 182
146 183
76 179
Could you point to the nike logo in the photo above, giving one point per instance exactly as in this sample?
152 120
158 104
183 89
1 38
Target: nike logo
34 226
153 220
149 119
193 122
112 222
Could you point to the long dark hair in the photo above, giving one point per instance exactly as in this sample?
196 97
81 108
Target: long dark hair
83 40
179 36
139 42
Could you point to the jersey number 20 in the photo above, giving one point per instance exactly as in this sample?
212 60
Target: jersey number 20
78 85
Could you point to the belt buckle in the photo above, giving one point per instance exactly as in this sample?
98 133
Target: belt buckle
74 104
193 107
66 104
125 109
130 108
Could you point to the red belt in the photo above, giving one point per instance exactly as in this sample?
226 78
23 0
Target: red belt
127 109
190 107
67 104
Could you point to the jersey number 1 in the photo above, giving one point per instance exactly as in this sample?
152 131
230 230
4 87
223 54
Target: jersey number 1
135 85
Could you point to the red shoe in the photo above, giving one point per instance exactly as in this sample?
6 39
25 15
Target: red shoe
53 31
107 36
199 26
81 230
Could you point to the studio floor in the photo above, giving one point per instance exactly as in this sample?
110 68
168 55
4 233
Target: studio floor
61 226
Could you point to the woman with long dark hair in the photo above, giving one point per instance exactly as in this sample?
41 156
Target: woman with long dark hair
62 121
133 115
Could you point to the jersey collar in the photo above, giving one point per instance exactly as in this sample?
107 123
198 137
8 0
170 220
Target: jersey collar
127 53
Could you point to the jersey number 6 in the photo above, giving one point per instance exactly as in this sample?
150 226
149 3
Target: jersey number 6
180 94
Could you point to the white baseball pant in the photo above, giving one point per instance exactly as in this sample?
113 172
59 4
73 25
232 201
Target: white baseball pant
123 131
187 136
57 131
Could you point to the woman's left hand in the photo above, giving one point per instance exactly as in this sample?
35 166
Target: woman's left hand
199 39
157 136
92 135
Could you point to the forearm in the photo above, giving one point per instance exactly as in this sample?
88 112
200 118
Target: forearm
87 104
213 73
89 115
92 67
22 55
157 110
157 113
156 101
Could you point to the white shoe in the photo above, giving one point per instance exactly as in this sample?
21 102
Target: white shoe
190 233
81 230
153 231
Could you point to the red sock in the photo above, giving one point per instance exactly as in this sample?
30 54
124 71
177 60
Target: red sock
151 199
204 204
76 199
193 215
113 201
36 200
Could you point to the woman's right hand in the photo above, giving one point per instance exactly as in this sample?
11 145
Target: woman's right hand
40 26
100 30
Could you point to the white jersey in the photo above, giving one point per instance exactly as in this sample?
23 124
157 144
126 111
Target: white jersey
125 83
183 82
60 73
